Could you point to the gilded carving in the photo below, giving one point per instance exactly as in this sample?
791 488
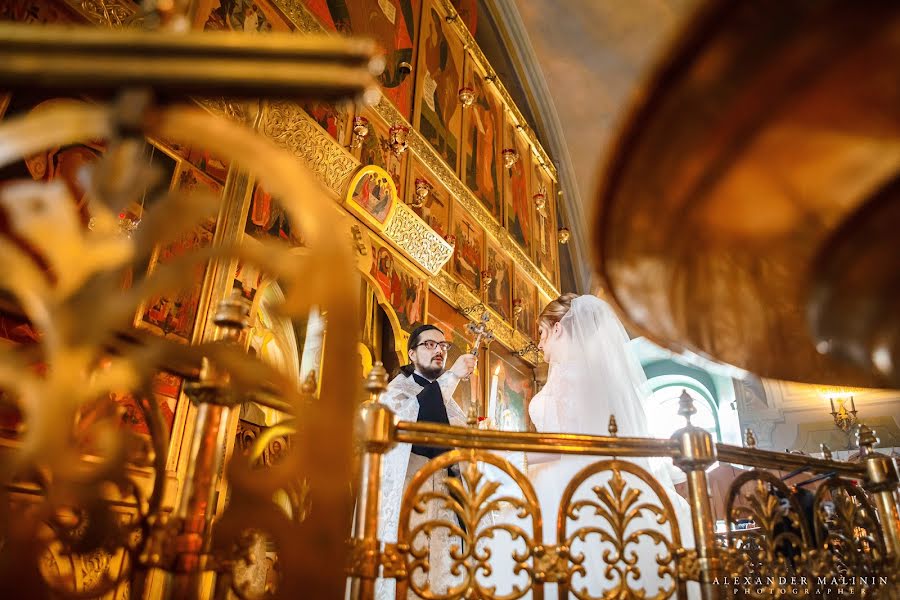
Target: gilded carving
291 128
228 109
418 240
299 16
111 13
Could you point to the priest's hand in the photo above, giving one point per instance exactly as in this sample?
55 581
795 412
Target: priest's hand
464 365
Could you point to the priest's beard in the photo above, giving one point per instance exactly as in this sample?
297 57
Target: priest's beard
431 370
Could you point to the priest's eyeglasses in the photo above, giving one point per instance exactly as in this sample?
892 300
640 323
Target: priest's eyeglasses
430 345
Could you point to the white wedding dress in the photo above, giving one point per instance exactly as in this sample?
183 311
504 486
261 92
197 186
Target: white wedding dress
593 376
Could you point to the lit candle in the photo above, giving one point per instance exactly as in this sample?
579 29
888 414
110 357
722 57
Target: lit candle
492 403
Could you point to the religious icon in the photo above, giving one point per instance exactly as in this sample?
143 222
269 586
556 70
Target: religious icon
545 244
519 210
482 138
333 117
392 24
523 291
268 218
239 15
167 384
438 81
435 209
466 261
499 293
511 390
402 290
173 315
373 191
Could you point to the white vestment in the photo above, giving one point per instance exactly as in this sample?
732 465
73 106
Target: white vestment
398 469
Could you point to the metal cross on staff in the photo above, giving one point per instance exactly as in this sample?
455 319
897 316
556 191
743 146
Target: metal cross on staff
481 332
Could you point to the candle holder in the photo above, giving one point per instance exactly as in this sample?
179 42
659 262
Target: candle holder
510 157
563 235
360 131
466 96
518 307
487 278
423 188
844 419
398 136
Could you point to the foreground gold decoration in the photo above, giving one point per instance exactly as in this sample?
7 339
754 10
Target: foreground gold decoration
76 302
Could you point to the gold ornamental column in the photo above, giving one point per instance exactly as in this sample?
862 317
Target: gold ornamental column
375 430
883 485
698 452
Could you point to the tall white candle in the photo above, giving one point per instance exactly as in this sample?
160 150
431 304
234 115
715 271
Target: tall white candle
492 402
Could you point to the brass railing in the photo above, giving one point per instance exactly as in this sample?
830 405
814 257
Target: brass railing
852 532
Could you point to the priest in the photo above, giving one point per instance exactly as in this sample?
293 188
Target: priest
423 391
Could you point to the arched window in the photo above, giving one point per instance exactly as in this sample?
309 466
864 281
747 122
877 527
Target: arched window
662 407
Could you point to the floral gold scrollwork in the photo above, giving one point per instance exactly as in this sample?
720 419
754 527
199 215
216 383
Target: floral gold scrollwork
228 109
297 14
418 240
619 506
110 13
291 128
465 506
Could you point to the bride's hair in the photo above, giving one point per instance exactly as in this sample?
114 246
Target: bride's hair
557 309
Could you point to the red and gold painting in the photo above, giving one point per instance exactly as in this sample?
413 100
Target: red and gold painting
402 289
435 209
167 384
133 417
393 24
239 15
453 324
173 315
499 292
481 141
545 249
438 77
372 194
376 150
333 117
524 296
36 11
466 263
510 388
517 188
267 218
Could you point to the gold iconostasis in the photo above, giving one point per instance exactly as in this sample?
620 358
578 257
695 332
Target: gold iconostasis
450 201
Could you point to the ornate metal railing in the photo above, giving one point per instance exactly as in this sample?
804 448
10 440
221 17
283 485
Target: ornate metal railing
852 529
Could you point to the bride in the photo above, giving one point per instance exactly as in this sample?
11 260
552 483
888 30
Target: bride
592 376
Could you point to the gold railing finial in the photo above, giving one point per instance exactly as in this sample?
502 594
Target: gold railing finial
826 452
472 415
866 439
686 406
376 382
749 439
232 316
613 426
